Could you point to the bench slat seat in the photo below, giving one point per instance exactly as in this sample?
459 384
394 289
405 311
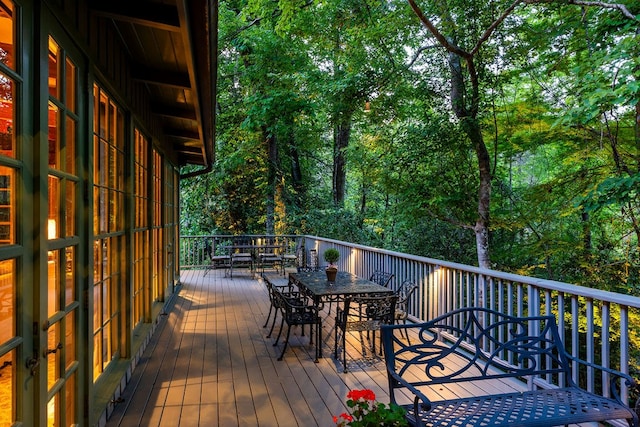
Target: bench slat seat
531 408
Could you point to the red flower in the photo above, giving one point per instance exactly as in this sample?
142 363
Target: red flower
361 394
344 416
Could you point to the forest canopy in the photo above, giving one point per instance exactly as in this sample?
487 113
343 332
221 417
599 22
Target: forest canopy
504 134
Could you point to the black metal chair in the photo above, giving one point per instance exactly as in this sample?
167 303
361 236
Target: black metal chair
362 313
240 259
217 261
291 258
382 278
270 260
404 293
309 262
298 313
286 290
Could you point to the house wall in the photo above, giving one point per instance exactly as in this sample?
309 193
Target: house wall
88 215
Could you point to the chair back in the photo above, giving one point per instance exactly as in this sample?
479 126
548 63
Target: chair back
404 293
313 259
309 262
367 313
382 278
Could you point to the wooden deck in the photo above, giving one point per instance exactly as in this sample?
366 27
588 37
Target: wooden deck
210 364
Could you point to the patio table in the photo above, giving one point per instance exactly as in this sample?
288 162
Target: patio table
316 285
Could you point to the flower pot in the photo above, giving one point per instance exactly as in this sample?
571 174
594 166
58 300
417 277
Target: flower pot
331 274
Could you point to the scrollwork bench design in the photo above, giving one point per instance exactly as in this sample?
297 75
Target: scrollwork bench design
472 350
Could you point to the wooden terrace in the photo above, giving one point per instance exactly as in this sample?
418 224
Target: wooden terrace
210 363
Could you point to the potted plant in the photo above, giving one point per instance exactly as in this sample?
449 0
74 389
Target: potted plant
331 255
366 411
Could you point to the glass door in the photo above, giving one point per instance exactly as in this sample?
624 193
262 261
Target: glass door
13 340
59 346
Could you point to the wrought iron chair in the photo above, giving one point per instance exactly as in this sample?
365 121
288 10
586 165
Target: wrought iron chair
289 257
298 313
404 293
270 260
240 259
286 290
382 278
362 313
217 261
311 262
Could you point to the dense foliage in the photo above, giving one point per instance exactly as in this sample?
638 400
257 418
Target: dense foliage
357 120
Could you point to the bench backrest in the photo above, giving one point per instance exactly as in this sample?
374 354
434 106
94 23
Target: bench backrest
474 344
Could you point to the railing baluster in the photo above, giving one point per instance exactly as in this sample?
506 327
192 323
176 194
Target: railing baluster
590 345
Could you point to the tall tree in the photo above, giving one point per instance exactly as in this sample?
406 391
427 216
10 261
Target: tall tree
466 33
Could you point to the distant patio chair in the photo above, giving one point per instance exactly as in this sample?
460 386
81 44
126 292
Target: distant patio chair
240 259
311 262
270 260
290 256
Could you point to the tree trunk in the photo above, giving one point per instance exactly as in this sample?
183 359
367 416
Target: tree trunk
296 175
341 135
472 129
481 228
272 179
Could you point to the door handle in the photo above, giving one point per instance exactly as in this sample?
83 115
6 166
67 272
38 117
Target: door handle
32 365
53 350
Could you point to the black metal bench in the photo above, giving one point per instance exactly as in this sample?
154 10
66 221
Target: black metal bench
475 349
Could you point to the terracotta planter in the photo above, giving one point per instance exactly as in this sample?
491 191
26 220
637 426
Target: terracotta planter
331 274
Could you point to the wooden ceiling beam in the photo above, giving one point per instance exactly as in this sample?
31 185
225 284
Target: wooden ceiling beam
189 150
161 77
182 135
174 112
150 14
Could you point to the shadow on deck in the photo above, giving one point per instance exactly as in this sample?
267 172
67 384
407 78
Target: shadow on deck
209 363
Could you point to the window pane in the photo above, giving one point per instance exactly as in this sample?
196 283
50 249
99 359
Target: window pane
53 221
53 354
70 399
52 415
7 205
7 128
70 339
53 137
7 301
70 289
7 388
53 68
7 31
70 85
53 297
70 146
69 208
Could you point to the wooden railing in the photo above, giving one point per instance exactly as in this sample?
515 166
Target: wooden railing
196 251
598 326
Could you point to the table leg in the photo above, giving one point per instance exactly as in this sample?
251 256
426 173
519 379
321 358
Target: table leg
318 342
317 302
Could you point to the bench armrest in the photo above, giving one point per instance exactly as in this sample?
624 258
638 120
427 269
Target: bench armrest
420 401
616 378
